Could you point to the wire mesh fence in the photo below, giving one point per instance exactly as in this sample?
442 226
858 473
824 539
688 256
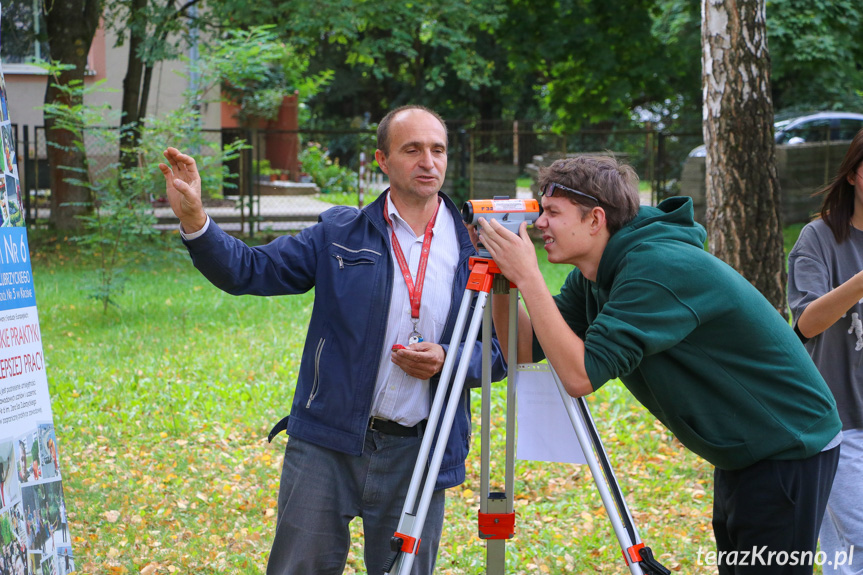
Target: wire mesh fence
282 180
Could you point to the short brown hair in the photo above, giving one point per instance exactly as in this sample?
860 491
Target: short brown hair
613 183
384 126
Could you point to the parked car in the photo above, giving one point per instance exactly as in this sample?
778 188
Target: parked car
819 127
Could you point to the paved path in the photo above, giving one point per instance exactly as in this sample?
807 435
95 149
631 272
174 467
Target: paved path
276 212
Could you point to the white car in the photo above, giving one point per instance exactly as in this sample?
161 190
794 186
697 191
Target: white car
820 127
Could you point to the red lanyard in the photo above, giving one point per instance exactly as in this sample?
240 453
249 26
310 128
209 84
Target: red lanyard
414 291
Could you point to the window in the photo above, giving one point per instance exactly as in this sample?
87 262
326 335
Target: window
848 128
23 39
817 130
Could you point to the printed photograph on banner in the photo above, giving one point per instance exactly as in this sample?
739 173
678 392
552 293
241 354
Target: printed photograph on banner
18 214
9 488
35 537
4 203
48 565
44 511
10 202
13 551
34 561
48 451
8 146
65 561
4 106
27 458
7 169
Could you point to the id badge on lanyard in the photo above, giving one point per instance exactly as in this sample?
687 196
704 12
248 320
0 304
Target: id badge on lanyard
415 291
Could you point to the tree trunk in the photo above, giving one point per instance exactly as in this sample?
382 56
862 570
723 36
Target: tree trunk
743 217
139 72
73 23
132 112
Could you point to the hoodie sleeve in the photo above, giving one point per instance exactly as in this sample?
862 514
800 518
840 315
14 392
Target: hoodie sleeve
642 317
572 304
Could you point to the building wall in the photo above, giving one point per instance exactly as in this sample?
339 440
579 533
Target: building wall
26 84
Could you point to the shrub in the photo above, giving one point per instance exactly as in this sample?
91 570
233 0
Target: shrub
327 174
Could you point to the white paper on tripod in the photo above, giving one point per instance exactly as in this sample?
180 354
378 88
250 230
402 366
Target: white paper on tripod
545 431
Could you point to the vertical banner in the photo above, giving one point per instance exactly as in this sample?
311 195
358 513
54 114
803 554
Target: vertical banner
34 530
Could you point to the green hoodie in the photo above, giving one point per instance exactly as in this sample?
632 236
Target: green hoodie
697 344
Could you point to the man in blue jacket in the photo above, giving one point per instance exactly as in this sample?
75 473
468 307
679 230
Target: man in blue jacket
360 407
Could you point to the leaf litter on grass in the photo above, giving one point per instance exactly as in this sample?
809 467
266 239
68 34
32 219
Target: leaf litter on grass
162 413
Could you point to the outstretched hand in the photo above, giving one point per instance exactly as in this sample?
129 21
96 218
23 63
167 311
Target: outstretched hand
183 188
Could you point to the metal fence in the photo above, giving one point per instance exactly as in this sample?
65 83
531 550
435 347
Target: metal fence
485 159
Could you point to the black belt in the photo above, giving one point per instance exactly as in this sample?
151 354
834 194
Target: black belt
392 428
375 424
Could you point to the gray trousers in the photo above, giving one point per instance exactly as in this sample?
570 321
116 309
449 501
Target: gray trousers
322 490
841 535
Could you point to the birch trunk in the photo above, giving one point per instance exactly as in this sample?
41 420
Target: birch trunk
743 217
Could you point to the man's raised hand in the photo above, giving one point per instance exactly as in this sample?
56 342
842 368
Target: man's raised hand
183 188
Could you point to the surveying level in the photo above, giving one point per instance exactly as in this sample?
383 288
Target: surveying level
496 521
509 212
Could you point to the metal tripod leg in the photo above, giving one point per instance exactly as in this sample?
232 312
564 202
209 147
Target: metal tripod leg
406 541
638 557
496 513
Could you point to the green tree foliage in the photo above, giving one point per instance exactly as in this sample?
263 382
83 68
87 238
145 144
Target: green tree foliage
565 63
256 70
330 177
677 28
118 214
815 50
386 53
594 60
570 62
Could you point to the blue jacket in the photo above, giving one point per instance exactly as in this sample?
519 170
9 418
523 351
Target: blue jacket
346 259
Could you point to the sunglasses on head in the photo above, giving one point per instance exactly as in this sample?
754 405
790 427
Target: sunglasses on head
549 189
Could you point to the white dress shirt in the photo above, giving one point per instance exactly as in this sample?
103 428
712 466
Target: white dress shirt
398 396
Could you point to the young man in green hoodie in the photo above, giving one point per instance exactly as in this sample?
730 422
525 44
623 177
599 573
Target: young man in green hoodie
695 343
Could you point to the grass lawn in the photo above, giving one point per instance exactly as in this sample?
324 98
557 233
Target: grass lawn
162 408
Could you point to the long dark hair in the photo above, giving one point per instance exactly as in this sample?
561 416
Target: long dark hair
838 206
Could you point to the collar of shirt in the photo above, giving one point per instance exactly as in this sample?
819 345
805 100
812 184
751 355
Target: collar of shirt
402 225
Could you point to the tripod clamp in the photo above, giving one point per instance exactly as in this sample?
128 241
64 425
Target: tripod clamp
496 525
642 554
401 543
